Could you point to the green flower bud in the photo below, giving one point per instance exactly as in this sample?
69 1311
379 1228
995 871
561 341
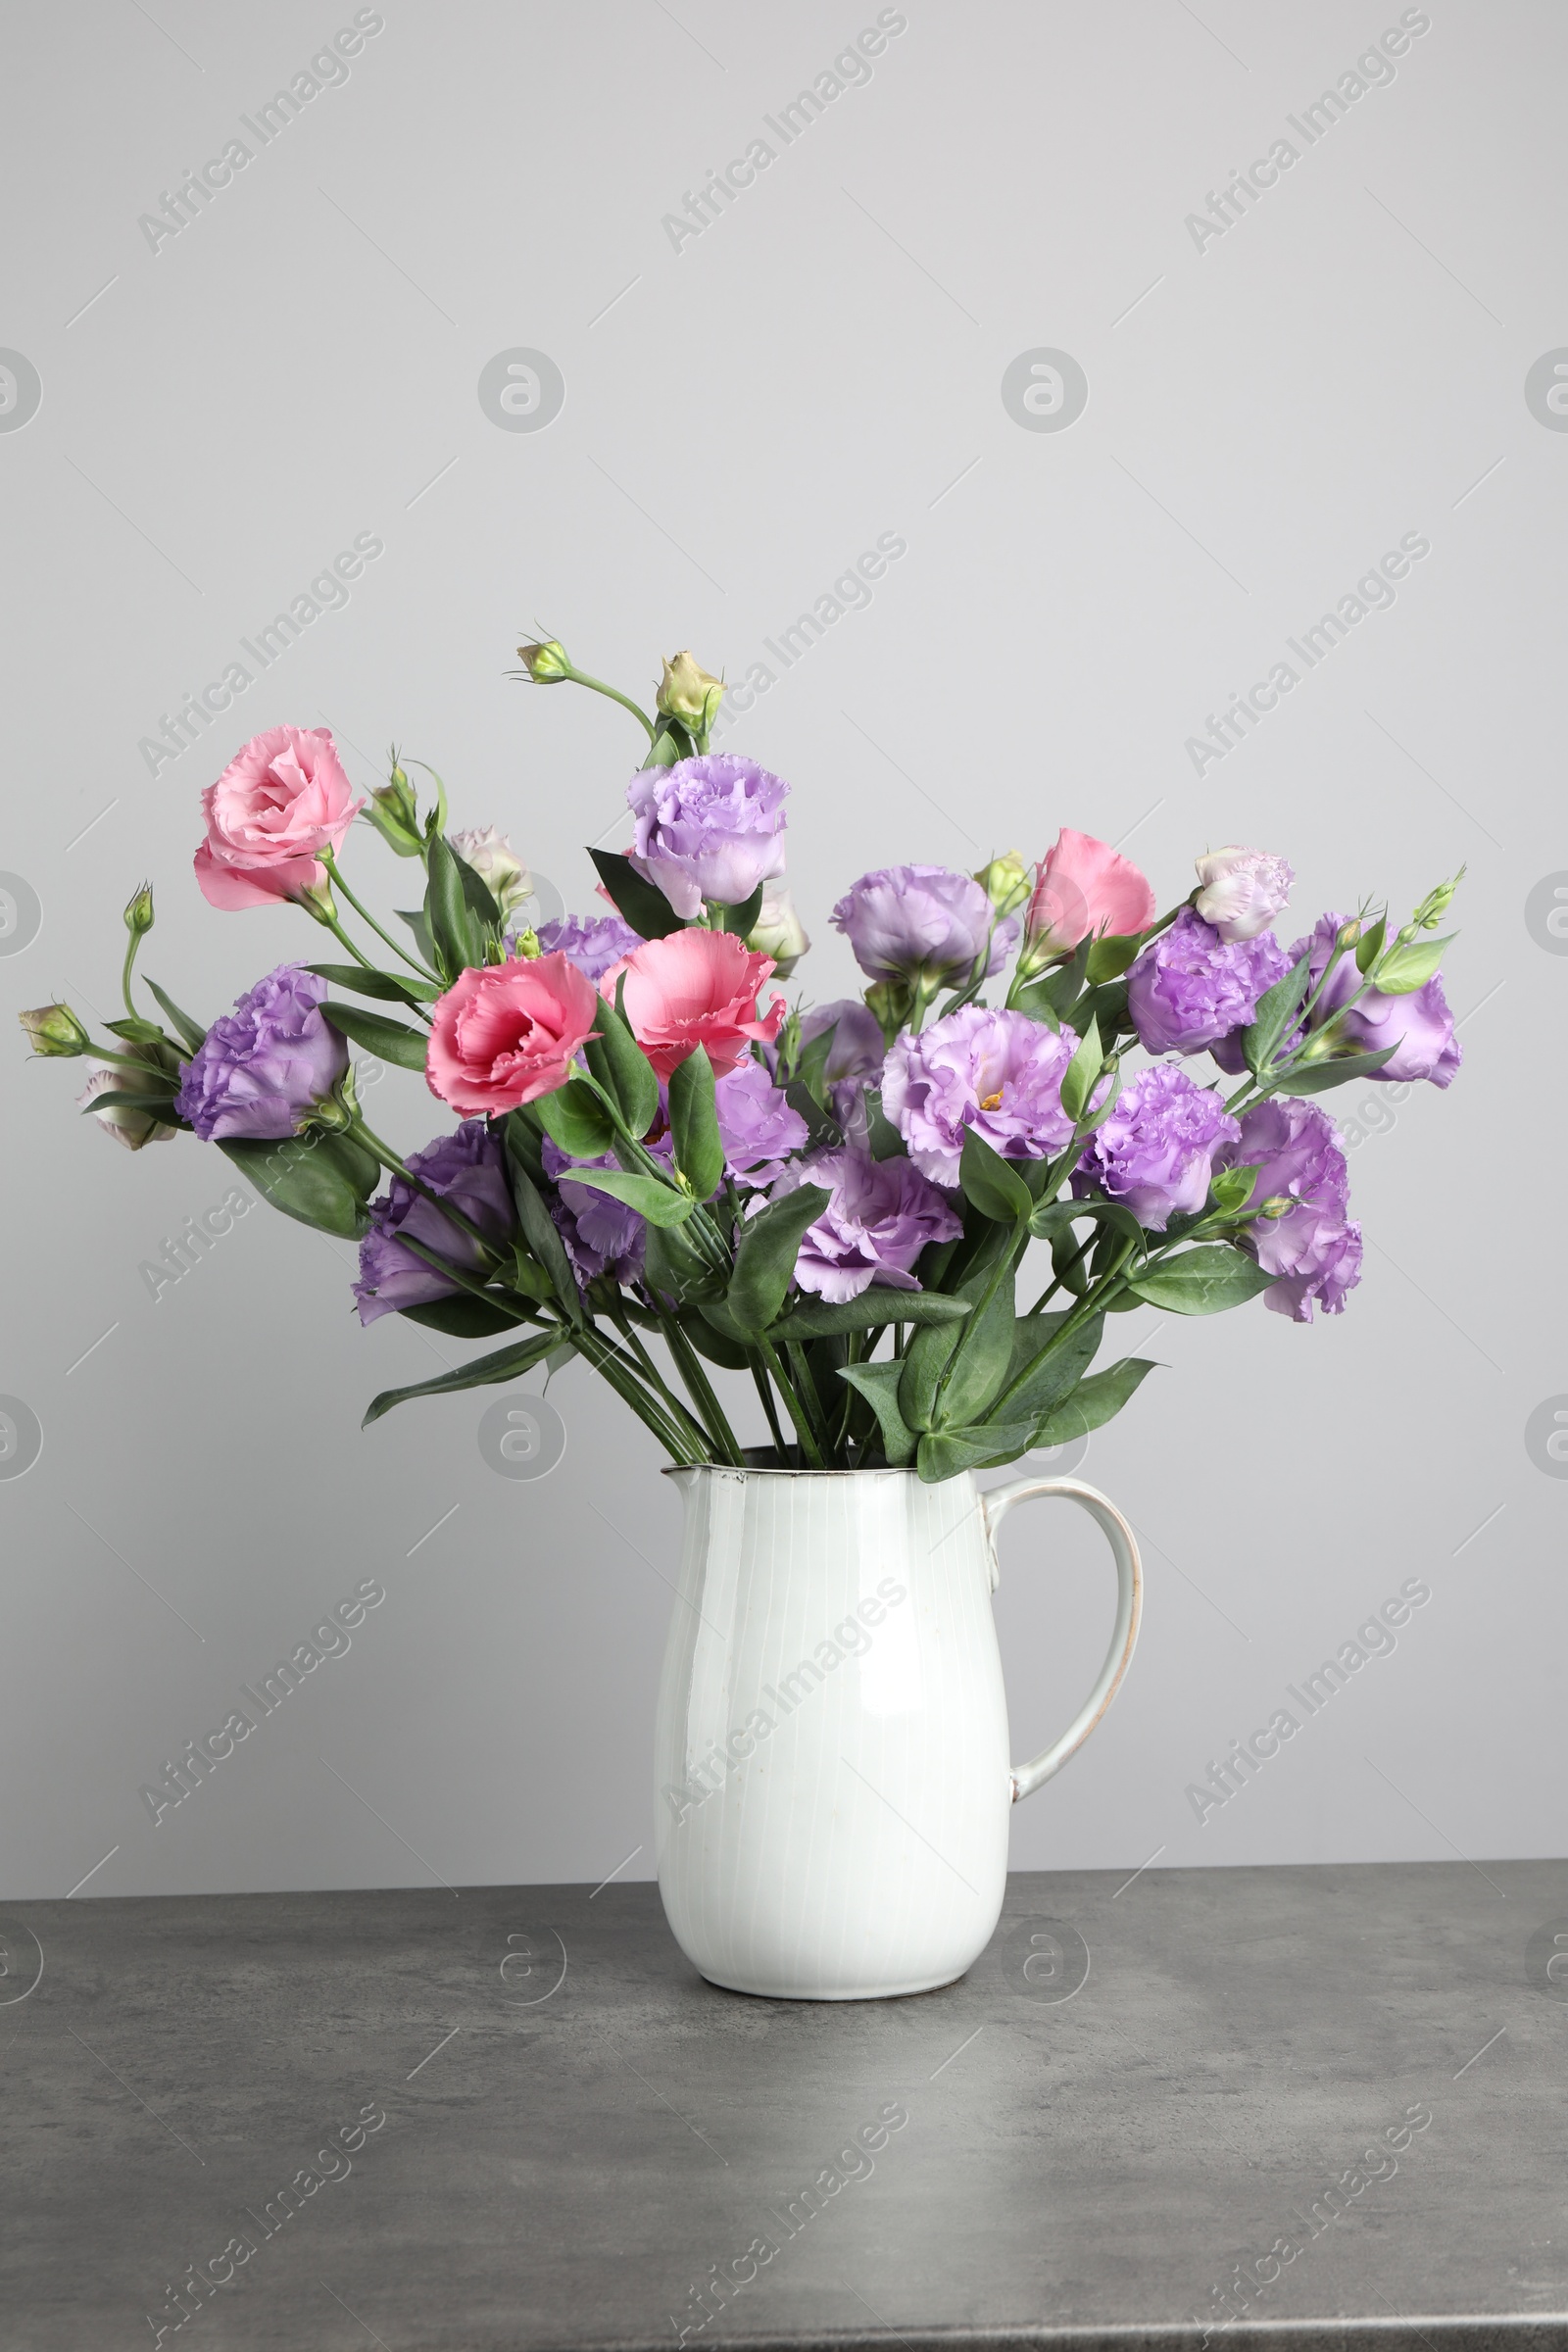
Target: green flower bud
139 912
1280 1206
525 945
1348 933
547 663
690 694
54 1032
1006 882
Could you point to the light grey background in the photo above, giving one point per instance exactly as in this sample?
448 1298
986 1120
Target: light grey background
742 418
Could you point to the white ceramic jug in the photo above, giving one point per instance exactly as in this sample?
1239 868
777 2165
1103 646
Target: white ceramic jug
833 1783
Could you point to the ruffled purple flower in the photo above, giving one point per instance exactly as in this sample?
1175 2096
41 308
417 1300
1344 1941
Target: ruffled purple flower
264 1066
882 1215
592 942
924 923
710 828
1190 988
998 1072
859 1046
1315 1247
756 1125
1420 1025
1156 1151
466 1168
602 1235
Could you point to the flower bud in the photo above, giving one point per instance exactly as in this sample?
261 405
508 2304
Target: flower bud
1006 882
689 692
547 663
1280 1206
497 864
132 1128
385 812
779 931
54 1032
139 912
523 945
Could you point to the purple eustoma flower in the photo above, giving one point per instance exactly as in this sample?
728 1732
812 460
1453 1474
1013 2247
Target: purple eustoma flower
710 828
756 1125
1156 1151
922 923
857 1047
1419 1026
882 1215
466 1168
602 1235
998 1072
592 942
1190 988
264 1066
1315 1249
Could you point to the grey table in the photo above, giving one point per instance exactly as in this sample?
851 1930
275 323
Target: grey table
1306 2107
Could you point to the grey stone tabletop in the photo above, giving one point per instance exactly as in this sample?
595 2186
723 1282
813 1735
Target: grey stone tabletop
1301 2107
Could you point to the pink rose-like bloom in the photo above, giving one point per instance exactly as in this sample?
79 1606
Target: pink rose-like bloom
691 989
509 1034
1083 887
1243 890
269 815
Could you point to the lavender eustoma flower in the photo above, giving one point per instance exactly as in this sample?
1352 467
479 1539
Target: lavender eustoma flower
1315 1247
859 1046
466 1168
922 923
1419 1026
601 1235
1156 1151
710 828
998 1072
263 1067
1189 988
756 1125
882 1215
592 942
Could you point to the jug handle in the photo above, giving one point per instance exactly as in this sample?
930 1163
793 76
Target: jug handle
994 1507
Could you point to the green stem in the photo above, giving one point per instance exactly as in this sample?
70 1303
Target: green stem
132 945
390 1160
806 1389
468 1282
764 1392
366 916
580 677
597 1351
689 1426
791 1405
690 1366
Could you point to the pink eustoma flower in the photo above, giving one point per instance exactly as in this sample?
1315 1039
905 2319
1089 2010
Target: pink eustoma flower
509 1034
691 989
274 809
1084 888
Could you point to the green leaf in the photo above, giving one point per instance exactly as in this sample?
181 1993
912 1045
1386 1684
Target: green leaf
1069 1261
389 1041
879 1305
950 1379
413 916
385 985
810 1071
1276 1009
716 1345
195 1036
1203 1281
670 744
136 1032
1319 1076
540 1232
353 1160
1095 1401
996 1190
659 1202
764 1260
1044 1365
1110 957
521 1134
741 920
455 934
477 895
878 1384
161 1106
1369 947
1232 1188
945 1453
1034 999
302 1176
885 1140
576 1120
1052 1217
676 1268
641 902
693 1125
1078 1078
1409 964
463 1317
508 1363
622 1068
822 1131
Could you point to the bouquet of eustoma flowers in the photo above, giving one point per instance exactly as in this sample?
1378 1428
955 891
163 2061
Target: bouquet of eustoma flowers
662 1166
